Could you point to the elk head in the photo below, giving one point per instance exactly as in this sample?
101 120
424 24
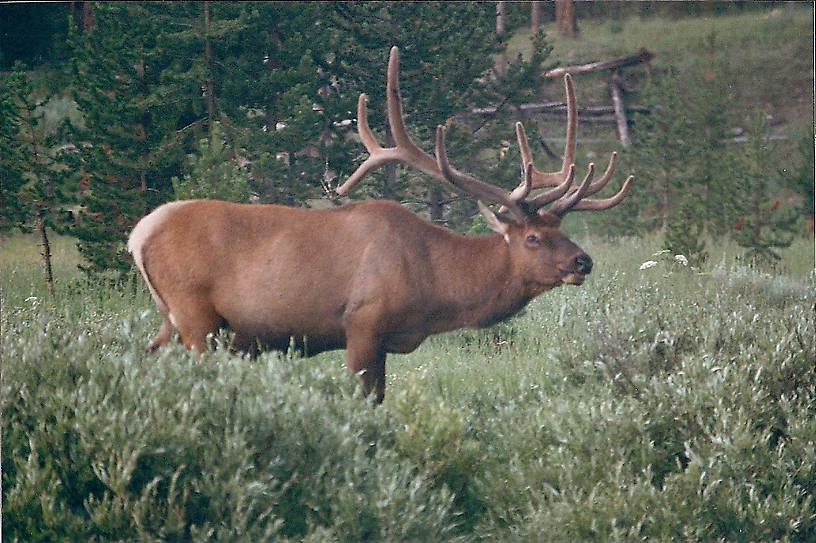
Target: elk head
538 251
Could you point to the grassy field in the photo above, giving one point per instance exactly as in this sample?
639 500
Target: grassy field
663 404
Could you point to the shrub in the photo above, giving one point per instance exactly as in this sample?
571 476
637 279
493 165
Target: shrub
649 404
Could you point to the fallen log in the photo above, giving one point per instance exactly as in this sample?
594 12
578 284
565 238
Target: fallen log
644 56
560 107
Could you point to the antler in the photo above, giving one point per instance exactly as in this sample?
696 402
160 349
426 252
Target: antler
404 151
407 152
564 197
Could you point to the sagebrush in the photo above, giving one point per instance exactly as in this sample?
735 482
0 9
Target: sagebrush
664 404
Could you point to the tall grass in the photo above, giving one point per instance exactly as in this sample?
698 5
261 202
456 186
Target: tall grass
661 404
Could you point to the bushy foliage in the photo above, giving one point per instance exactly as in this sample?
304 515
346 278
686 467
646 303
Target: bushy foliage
657 403
685 233
35 182
213 173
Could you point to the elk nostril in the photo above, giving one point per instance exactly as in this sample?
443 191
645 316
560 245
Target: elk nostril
583 264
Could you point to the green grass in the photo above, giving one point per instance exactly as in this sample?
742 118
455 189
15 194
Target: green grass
662 404
22 268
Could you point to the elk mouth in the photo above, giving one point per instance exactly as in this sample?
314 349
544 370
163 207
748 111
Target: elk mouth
573 278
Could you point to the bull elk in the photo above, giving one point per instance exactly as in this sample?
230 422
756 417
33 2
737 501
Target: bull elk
371 277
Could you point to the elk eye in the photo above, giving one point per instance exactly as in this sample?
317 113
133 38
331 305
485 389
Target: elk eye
532 239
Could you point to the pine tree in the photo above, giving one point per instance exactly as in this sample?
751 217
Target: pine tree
288 132
799 175
712 159
254 68
766 224
132 143
685 232
212 173
12 159
36 184
662 151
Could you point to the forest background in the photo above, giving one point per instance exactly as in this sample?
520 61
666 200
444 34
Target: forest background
111 109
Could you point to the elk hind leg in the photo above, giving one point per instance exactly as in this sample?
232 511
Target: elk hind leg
163 336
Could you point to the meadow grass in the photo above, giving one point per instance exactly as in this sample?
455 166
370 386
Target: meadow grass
663 404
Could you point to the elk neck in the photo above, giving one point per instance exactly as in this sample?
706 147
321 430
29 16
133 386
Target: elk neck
479 282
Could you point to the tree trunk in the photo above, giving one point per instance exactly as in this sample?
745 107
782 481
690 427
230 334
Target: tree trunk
501 58
434 203
756 204
46 252
87 17
664 212
535 17
565 18
141 126
620 109
208 58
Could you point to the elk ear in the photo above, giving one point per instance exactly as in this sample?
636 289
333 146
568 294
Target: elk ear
496 223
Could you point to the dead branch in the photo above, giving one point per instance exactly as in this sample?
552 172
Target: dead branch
644 56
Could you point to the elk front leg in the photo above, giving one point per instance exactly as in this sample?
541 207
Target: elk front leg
194 321
366 357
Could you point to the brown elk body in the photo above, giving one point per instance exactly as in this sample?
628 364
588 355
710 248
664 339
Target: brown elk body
370 277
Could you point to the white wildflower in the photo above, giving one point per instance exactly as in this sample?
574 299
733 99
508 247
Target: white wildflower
648 264
681 259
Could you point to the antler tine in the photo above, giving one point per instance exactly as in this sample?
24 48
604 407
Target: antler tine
394 102
366 136
580 204
552 179
377 155
606 203
601 183
565 187
471 185
554 194
565 203
523 190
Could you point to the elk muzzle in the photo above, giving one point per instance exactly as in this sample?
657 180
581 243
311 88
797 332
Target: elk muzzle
581 266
